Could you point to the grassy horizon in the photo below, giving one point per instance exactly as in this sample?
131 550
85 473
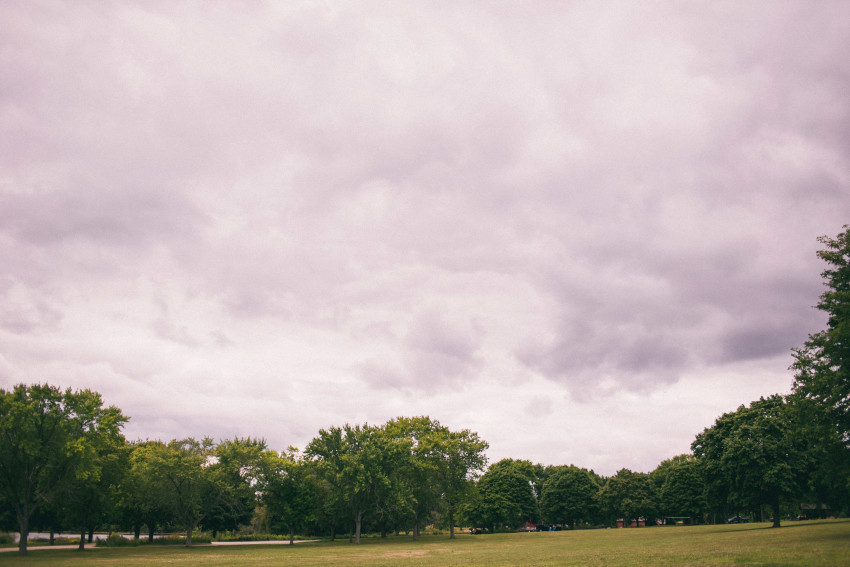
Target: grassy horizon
817 543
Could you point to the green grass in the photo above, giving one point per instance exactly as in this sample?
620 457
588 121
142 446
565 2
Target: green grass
800 543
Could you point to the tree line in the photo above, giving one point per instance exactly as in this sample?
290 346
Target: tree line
64 464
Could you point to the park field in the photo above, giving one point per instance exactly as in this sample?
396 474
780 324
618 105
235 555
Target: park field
824 542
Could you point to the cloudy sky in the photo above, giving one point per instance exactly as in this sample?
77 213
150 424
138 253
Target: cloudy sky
581 229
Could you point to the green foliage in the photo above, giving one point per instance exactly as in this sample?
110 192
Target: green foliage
505 498
50 440
680 487
569 495
117 540
629 495
822 364
754 456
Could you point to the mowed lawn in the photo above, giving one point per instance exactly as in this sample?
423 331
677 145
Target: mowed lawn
824 542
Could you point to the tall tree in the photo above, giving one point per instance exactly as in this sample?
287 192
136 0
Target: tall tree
459 460
289 490
755 454
183 469
629 495
569 495
822 364
358 462
143 497
48 439
680 487
505 497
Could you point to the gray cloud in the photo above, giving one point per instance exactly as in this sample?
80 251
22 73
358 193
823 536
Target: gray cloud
312 214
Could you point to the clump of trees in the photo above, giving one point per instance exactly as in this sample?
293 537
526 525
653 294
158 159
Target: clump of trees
64 464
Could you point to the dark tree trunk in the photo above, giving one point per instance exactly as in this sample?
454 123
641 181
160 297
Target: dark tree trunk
357 524
775 506
23 525
151 530
137 531
291 534
91 534
451 523
82 545
52 536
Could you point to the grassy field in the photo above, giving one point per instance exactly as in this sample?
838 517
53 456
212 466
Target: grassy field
800 543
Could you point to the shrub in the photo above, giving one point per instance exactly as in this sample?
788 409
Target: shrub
117 540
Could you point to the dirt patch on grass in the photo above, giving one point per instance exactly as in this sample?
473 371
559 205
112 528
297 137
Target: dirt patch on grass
412 553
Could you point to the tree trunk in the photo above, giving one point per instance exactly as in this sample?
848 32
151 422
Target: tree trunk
151 530
23 525
415 528
451 523
82 545
137 531
357 522
52 536
189 529
91 534
291 534
775 505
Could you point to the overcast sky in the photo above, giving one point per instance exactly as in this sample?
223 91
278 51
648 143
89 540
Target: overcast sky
583 230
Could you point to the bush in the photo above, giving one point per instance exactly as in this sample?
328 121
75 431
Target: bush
6 539
255 537
117 540
181 540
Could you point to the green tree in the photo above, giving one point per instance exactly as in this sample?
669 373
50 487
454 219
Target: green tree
358 464
755 455
92 499
418 470
234 473
289 490
144 498
629 495
822 381
183 471
505 497
569 495
680 487
48 440
459 460
822 364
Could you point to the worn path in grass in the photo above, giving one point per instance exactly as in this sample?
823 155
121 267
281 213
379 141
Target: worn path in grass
822 543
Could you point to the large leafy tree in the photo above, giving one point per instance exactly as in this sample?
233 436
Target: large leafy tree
182 467
822 364
144 499
569 495
92 499
49 439
418 470
505 497
289 490
755 455
680 486
822 380
629 495
358 463
459 460
234 474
